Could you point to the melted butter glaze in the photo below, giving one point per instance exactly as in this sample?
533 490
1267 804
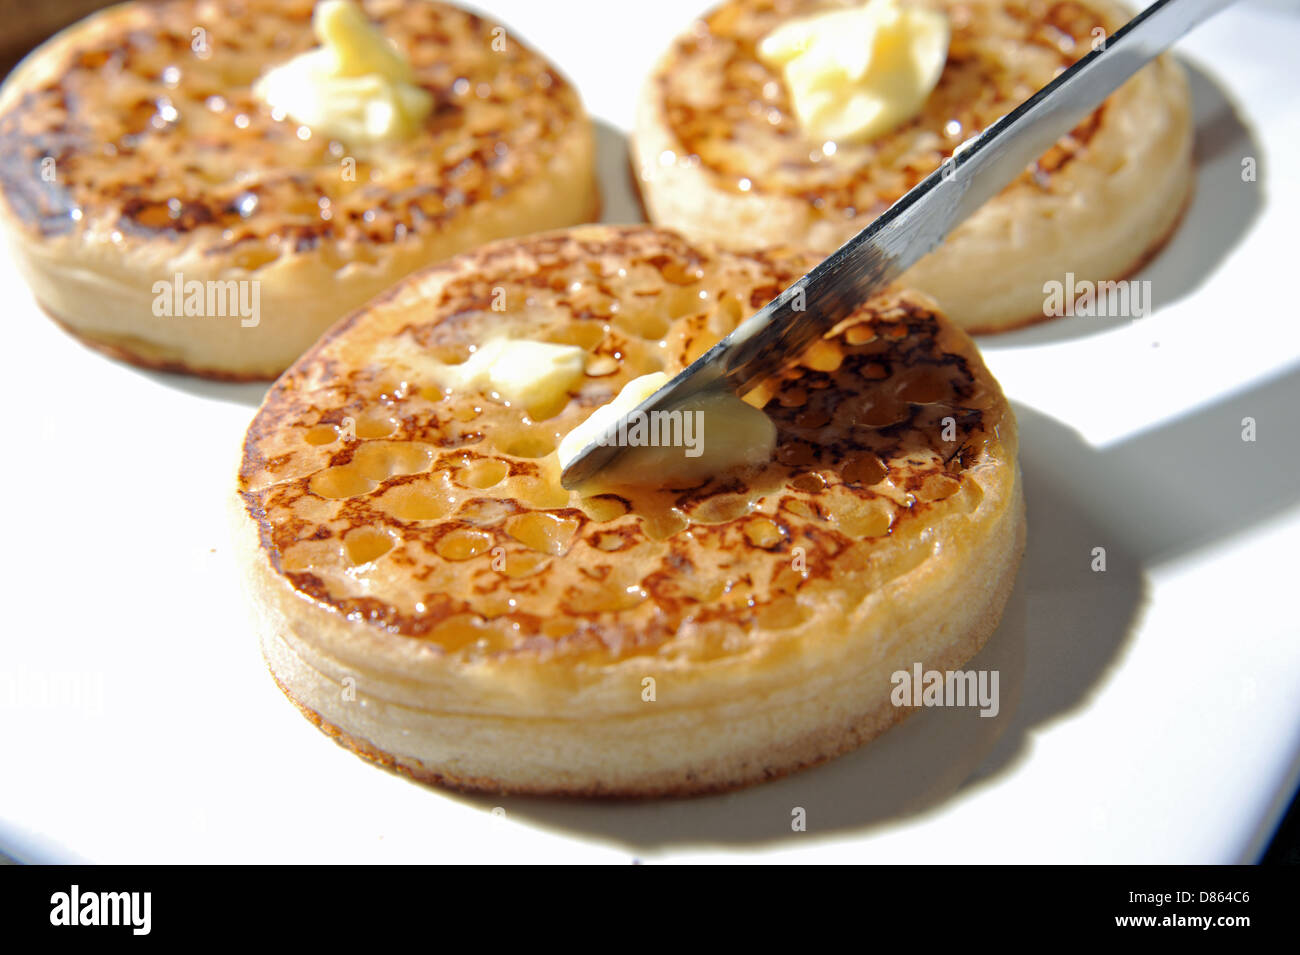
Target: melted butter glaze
880 429
732 116
151 140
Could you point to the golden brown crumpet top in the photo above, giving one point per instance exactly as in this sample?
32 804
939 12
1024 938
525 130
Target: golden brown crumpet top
440 518
152 137
133 151
731 113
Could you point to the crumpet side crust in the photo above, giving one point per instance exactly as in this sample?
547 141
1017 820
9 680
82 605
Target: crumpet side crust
815 747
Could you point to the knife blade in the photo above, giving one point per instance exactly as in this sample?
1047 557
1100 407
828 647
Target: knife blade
978 169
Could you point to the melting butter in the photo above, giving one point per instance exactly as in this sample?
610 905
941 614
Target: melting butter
355 87
855 74
529 373
711 433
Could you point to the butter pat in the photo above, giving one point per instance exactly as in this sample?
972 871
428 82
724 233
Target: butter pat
634 392
711 433
532 374
856 74
355 87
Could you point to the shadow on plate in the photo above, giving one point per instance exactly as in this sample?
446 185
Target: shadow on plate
1221 212
1145 500
621 202
236 393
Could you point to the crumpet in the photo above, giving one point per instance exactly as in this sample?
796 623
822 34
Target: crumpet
163 212
722 156
429 595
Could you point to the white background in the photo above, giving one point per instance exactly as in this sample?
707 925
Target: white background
1149 713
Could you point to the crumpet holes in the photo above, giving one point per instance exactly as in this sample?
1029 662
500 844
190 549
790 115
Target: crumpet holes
586 335
822 356
544 410
721 509
462 544
860 518
340 482
485 512
875 371
385 459
604 507
679 273
860 334
937 487
371 427
810 419
321 434
414 501
663 524
366 545
482 474
802 509
522 444
865 469
763 532
612 541
525 563
810 482
730 311
605 600
541 494
545 533
880 411
602 366
449 354
375 427
371 465
643 324
680 302
796 454
925 386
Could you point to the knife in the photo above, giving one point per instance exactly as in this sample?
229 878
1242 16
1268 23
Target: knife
977 170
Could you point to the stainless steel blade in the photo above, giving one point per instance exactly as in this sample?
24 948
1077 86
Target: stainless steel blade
978 170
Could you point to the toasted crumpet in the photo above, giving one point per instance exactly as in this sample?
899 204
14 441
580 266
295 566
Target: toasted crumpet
429 595
721 156
133 152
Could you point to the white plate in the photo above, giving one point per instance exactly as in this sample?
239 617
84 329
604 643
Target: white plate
1149 713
